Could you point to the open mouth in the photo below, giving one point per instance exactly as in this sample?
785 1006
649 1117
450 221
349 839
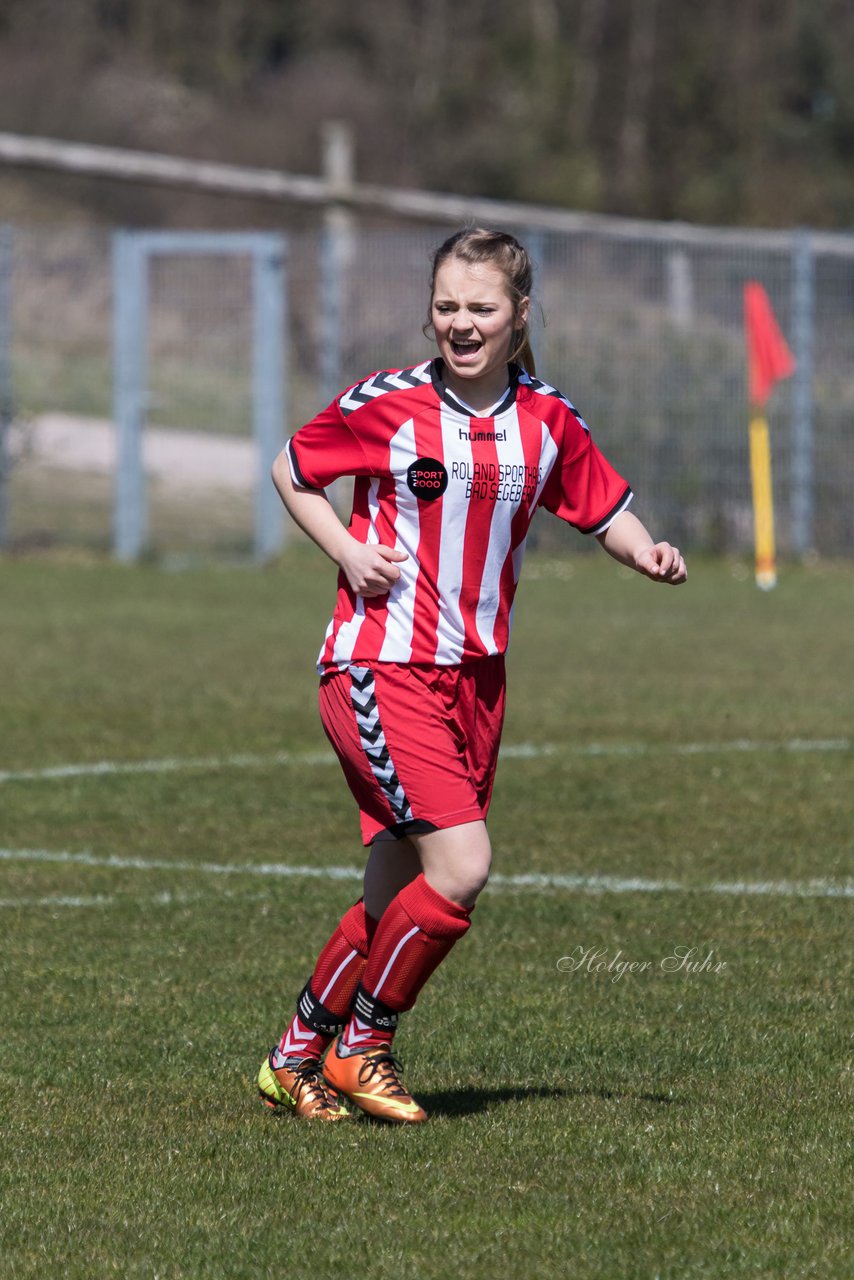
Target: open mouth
462 349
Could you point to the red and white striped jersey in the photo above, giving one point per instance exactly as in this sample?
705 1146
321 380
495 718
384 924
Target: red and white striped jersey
455 492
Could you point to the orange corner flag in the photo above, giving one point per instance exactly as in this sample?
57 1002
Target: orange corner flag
768 356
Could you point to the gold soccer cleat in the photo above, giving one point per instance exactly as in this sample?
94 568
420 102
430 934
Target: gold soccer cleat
300 1087
370 1078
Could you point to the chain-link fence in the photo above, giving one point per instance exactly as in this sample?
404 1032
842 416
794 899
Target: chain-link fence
643 332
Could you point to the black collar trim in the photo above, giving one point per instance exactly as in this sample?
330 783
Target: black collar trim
437 369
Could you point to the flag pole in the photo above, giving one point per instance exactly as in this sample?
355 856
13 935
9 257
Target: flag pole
768 360
763 501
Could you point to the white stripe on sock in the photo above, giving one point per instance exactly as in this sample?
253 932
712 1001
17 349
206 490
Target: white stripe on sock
415 929
342 966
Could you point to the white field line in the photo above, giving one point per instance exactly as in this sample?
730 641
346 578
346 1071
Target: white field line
97 900
513 751
164 899
538 882
180 764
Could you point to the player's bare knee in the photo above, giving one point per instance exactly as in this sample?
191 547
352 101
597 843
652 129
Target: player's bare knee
478 870
476 884
456 861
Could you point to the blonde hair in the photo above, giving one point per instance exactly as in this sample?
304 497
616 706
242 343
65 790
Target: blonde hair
476 245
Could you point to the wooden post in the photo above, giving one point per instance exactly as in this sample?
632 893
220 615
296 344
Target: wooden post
5 377
337 248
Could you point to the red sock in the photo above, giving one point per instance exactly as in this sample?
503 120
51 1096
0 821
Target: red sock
326 998
417 931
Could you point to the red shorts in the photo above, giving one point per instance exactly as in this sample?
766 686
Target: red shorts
418 744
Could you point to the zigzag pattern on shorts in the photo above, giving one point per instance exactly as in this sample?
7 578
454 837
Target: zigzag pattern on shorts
363 697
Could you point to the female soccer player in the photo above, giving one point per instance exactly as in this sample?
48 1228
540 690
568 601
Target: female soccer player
451 460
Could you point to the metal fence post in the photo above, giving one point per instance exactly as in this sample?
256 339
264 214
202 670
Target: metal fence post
680 288
130 307
6 401
803 322
330 314
268 390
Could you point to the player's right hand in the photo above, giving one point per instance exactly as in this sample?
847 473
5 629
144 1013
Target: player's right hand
662 563
371 569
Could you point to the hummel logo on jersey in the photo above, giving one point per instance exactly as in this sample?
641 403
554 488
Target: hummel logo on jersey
482 435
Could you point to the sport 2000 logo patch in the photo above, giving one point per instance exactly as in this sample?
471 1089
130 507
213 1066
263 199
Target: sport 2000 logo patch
427 479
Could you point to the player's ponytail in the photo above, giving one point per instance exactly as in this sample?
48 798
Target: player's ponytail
475 245
523 355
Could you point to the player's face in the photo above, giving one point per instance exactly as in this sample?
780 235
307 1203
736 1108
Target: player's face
475 321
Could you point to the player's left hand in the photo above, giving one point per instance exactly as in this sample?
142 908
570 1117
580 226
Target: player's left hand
662 563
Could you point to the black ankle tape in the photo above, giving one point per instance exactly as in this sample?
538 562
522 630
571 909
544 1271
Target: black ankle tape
316 1016
369 1009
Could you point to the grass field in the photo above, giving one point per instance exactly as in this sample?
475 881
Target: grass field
685 755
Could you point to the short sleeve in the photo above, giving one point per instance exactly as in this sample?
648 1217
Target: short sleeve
324 450
583 488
